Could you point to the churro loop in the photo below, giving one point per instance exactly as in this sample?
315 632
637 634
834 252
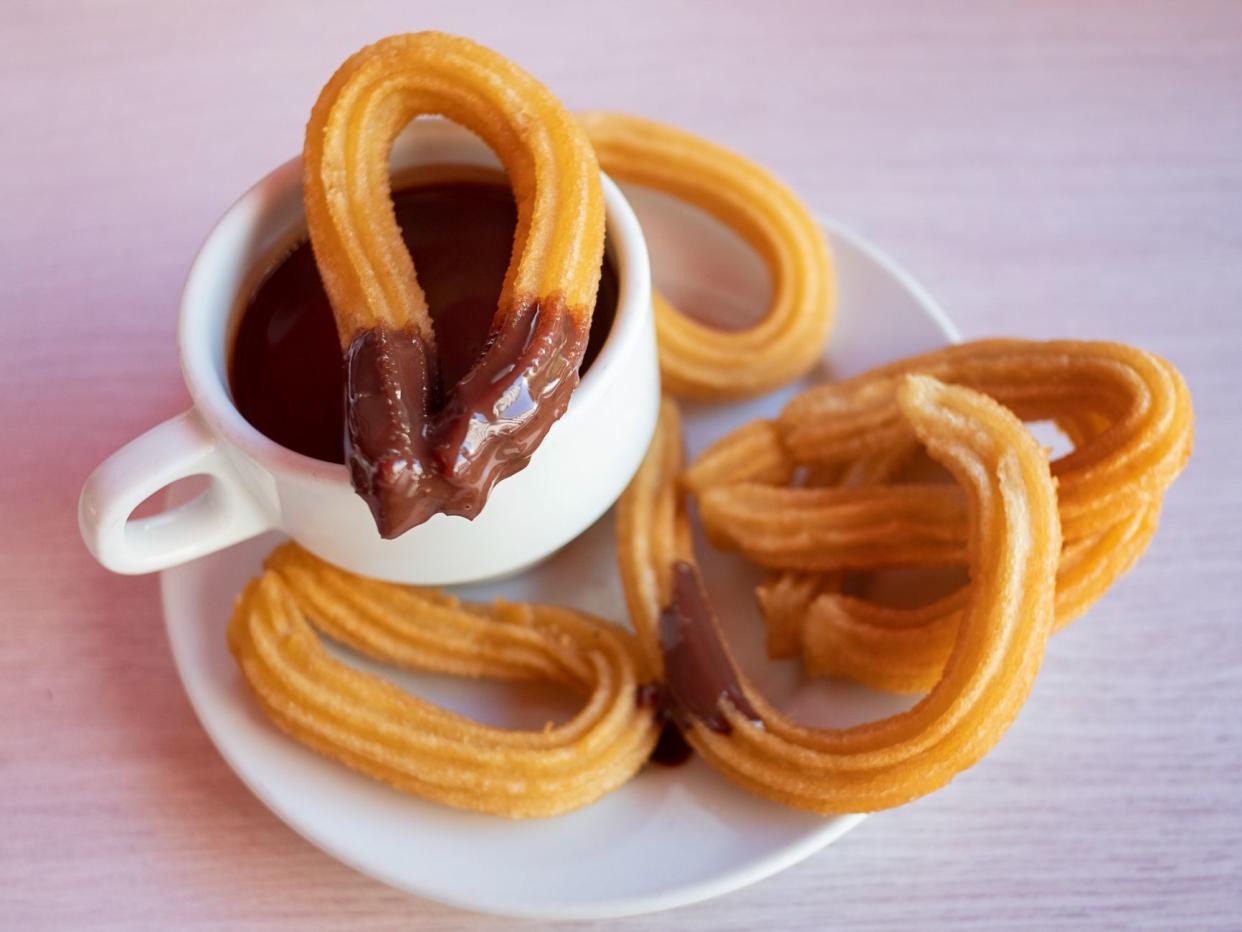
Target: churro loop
372 726
1014 543
415 447
1127 413
701 361
904 650
1128 410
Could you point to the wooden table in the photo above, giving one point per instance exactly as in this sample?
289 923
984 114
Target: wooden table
1070 169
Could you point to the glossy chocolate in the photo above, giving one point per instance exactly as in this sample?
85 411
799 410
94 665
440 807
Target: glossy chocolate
699 676
411 458
389 379
288 380
671 747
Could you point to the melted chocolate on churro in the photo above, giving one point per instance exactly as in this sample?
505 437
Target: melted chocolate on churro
698 674
288 380
672 748
412 454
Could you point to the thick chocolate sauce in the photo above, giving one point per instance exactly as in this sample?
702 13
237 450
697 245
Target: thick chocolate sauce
411 455
698 672
671 747
384 368
289 381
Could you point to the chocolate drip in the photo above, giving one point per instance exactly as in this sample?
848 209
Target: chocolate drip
411 461
499 412
671 748
389 380
698 673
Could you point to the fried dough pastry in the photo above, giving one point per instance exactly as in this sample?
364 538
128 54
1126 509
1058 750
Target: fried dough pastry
697 360
369 724
1127 411
1128 414
904 650
416 448
1013 545
823 529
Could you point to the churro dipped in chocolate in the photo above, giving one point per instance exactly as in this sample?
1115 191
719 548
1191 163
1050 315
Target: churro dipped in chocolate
416 447
1014 538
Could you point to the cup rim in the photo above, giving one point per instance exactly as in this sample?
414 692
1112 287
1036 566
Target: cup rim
208 385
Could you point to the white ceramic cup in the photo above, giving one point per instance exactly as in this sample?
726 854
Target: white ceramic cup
256 485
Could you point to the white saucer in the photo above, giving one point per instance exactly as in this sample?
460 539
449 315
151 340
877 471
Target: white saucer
672 835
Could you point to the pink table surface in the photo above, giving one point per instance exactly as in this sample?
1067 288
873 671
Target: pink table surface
1047 169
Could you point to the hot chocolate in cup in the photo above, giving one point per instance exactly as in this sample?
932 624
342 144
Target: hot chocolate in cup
256 484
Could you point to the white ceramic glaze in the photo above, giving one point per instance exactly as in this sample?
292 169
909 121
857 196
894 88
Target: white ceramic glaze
668 837
578 471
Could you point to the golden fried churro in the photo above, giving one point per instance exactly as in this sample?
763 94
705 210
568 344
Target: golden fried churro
372 726
1014 541
1129 410
701 361
828 529
905 650
752 453
415 447
1127 413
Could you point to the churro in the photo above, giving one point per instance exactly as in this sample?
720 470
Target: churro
1126 412
416 448
702 361
366 722
1013 545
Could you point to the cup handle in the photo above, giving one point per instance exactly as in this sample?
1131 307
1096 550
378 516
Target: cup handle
223 514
